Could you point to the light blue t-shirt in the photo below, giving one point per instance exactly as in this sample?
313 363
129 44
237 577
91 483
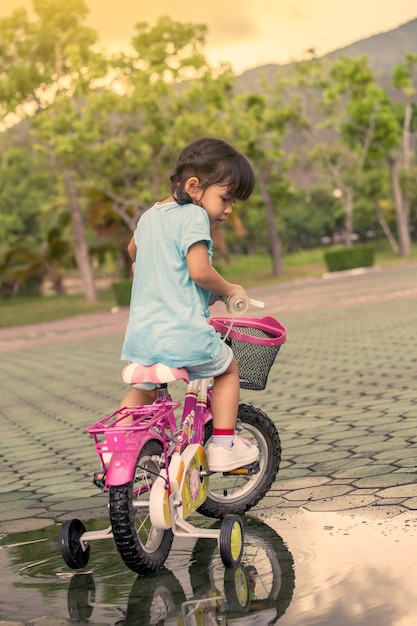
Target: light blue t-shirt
168 311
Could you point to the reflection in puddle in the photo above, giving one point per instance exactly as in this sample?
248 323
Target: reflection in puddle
352 570
194 587
313 569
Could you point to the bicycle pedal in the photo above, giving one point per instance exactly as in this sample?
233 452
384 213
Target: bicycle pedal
99 480
246 470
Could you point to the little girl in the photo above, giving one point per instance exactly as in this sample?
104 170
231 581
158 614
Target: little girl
174 281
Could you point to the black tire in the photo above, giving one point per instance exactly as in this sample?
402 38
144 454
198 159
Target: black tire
154 599
270 564
142 548
231 540
237 589
81 597
267 562
69 541
233 493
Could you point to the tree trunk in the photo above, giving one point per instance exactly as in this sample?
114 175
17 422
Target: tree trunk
82 256
57 281
401 213
386 229
407 159
347 199
407 152
274 240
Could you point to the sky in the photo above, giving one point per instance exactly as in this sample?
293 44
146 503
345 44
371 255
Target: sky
249 33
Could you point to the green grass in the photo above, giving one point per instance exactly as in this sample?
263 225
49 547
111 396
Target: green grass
386 258
250 271
19 311
257 269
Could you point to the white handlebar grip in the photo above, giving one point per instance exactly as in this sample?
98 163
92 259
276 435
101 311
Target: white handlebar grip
257 303
238 304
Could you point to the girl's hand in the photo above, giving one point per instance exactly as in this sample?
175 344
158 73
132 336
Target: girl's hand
236 289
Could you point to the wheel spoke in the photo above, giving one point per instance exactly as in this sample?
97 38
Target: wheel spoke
238 493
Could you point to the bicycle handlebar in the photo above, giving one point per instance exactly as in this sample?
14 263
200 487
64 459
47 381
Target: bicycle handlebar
240 303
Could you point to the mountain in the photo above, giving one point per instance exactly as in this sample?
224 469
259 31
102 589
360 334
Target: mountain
385 51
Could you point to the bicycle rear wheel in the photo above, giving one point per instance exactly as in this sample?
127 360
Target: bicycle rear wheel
142 547
237 493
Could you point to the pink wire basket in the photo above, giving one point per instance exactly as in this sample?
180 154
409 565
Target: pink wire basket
255 343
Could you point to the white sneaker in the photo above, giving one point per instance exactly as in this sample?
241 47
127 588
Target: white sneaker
224 458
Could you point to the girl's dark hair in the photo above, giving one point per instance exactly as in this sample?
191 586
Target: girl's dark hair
213 162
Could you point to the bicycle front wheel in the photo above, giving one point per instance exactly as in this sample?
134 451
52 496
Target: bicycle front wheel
237 493
142 547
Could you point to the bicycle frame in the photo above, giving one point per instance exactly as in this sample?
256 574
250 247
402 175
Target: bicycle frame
157 472
154 421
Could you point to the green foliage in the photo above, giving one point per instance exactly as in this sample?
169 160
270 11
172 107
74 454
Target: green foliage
404 75
115 124
35 55
307 217
122 290
24 188
33 240
27 261
349 258
354 128
170 49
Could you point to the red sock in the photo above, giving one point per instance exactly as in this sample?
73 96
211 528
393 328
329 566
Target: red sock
223 437
223 431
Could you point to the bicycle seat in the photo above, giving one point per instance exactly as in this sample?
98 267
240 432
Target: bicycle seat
157 373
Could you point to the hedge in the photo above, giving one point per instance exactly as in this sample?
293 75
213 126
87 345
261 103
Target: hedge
349 258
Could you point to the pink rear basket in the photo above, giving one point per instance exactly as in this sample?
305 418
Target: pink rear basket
255 343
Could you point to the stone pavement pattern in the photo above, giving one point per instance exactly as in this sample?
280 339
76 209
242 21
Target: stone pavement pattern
342 393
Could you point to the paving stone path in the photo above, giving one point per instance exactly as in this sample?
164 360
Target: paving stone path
342 392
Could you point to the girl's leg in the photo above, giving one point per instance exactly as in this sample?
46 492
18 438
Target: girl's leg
225 398
135 397
226 450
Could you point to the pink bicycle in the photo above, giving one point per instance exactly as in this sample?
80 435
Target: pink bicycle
156 472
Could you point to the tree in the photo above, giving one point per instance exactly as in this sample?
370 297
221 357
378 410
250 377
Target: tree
24 187
45 62
327 92
54 131
259 127
405 78
25 190
388 125
43 59
354 129
132 137
25 263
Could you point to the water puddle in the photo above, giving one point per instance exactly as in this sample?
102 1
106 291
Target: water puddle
311 569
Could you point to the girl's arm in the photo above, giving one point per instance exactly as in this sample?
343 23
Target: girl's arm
205 275
131 248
